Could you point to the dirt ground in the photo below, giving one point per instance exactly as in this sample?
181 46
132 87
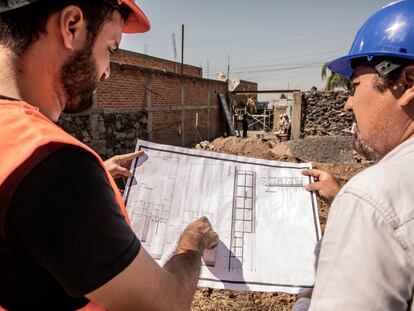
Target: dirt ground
208 299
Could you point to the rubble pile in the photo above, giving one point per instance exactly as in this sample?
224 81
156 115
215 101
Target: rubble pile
204 145
323 114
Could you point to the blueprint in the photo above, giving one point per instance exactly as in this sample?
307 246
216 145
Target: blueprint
267 223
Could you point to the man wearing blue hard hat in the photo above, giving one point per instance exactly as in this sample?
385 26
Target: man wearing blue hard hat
367 253
65 240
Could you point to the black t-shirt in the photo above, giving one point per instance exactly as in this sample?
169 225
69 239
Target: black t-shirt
63 234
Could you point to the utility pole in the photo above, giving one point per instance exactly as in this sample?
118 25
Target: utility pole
182 49
225 59
208 69
174 47
228 66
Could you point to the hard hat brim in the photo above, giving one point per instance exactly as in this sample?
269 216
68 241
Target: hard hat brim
137 21
343 65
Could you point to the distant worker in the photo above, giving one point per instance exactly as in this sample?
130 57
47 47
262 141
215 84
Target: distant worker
251 105
284 124
245 124
65 239
366 259
287 125
281 124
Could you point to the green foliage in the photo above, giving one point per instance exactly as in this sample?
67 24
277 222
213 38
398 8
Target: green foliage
335 80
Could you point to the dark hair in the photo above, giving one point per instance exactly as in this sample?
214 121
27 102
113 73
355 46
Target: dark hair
21 27
385 81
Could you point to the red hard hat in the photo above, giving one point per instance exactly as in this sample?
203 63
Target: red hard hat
137 21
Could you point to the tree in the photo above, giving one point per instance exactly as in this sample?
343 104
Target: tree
335 80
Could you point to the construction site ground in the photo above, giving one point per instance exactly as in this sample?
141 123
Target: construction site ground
334 154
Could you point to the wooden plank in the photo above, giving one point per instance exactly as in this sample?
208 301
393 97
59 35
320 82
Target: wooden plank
296 115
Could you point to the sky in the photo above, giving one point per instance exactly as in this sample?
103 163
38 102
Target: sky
280 44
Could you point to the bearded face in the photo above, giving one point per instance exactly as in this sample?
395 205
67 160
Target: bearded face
79 80
364 148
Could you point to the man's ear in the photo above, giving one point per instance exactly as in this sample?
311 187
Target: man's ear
407 81
73 28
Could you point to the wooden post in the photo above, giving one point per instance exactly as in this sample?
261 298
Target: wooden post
275 120
208 110
296 115
183 142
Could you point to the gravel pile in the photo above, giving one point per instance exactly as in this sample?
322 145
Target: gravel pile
327 149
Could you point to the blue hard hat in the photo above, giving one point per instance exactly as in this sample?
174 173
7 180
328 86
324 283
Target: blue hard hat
387 33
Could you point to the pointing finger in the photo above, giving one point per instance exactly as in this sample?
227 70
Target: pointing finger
132 155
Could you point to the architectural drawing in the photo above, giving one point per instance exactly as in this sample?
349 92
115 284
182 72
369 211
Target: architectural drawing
150 224
243 215
252 204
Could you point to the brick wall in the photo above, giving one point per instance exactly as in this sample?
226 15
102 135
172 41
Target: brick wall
146 61
245 86
163 107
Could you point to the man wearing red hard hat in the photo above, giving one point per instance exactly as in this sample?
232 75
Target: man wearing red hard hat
65 240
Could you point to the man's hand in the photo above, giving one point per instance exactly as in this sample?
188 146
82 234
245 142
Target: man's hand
198 236
144 285
118 165
325 184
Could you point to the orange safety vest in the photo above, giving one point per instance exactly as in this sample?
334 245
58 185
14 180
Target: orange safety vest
24 129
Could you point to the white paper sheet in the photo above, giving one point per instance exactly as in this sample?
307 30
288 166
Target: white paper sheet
267 223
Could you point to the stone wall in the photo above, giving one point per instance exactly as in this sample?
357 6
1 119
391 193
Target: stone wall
323 114
107 132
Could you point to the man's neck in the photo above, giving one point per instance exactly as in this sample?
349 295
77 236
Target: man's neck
8 82
29 78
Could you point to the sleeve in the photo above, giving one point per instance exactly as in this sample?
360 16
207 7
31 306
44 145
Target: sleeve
362 265
64 217
302 304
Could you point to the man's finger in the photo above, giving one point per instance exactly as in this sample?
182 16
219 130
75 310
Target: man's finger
312 172
120 171
213 240
205 220
131 156
313 186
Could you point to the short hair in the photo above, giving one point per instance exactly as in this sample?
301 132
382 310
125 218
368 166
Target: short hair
21 27
388 80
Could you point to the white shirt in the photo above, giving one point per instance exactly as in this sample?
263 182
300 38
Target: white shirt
367 254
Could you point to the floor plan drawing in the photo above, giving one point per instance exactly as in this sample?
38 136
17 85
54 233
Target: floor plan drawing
267 223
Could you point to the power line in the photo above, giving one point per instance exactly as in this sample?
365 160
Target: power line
254 38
